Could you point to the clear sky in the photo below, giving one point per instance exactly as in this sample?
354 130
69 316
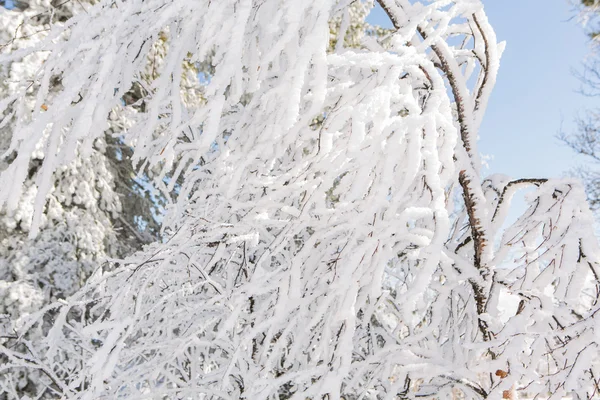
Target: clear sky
536 93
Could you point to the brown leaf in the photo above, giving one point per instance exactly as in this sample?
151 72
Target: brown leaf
501 374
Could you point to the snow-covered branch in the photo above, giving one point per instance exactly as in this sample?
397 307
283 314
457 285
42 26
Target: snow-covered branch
311 245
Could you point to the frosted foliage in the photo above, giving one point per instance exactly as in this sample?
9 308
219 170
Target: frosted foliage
75 227
76 223
351 25
75 230
76 233
312 250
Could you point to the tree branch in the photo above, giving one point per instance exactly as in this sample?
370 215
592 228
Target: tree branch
517 182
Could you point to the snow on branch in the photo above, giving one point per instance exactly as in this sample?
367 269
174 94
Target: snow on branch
311 246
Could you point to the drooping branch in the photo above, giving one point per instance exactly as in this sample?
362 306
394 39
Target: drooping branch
468 177
321 268
513 185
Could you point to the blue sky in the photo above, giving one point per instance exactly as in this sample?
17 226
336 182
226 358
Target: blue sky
536 93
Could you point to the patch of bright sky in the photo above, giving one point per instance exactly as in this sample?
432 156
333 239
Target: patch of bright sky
536 94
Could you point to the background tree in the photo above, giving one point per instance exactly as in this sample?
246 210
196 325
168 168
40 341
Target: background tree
586 139
310 247
97 208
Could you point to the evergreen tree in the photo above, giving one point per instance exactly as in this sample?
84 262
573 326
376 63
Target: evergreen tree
96 208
